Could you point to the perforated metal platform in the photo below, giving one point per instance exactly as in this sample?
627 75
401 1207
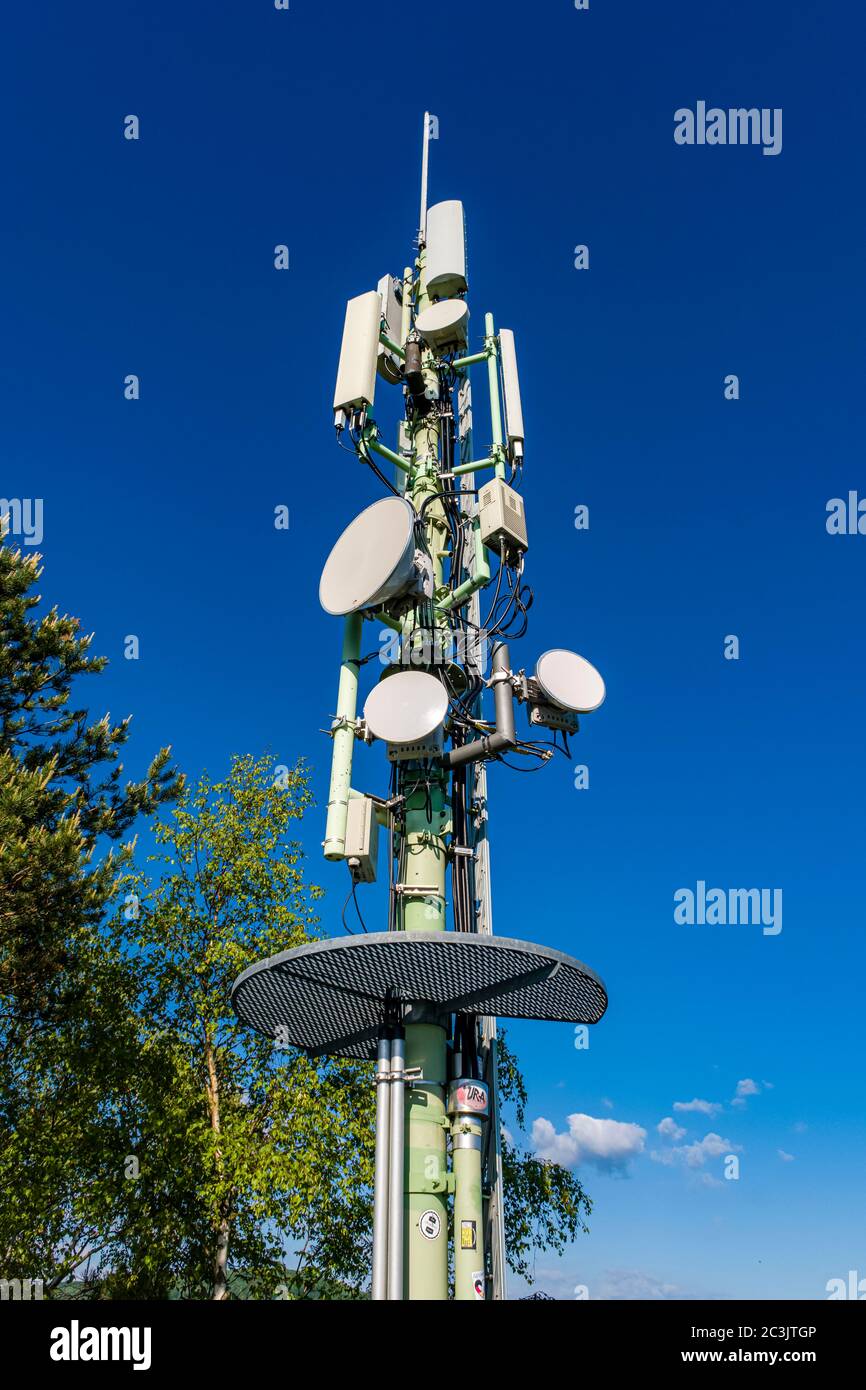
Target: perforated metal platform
329 997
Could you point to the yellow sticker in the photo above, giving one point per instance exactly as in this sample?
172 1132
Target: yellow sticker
468 1237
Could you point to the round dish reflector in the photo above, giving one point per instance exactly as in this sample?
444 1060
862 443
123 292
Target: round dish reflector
444 323
372 561
570 681
406 707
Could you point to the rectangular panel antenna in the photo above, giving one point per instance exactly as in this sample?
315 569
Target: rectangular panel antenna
356 375
511 391
392 311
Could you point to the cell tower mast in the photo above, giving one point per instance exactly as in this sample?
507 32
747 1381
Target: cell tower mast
422 997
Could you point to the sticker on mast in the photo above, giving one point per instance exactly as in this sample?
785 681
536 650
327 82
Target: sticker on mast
478 1283
430 1224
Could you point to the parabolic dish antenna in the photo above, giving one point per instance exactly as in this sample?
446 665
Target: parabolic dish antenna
372 561
444 324
406 707
569 681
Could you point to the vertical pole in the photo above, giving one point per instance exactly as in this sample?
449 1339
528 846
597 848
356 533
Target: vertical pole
381 1190
493 1207
396 1177
494 1216
493 383
344 739
423 900
406 317
426 1167
466 1140
425 156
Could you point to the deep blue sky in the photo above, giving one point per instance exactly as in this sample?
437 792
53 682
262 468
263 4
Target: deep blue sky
261 127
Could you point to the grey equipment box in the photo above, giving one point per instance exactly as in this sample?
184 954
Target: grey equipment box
362 838
502 517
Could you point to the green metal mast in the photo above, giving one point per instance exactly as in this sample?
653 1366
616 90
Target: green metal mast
437 1101
421 997
423 823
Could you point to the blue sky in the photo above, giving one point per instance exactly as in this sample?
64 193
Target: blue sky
707 516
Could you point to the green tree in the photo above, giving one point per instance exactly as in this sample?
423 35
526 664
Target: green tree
263 1153
60 796
67 1034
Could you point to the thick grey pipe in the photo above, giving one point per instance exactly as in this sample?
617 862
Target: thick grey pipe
381 1190
505 736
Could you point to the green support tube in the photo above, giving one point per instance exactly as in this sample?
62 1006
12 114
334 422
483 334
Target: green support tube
423 884
473 467
493 380
426 1203
406 323
422 897
391 345
344 739
387 621
460 362
495 409
370 440
466 1140
480 574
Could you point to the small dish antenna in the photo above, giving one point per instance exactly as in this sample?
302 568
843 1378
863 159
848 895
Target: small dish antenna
407 711
374 559
569 681
444 324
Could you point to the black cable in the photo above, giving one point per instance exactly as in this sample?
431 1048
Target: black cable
346 926
357 907
380 475
352 893
514 767
363 454
486 624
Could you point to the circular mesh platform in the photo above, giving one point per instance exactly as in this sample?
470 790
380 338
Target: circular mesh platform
329 997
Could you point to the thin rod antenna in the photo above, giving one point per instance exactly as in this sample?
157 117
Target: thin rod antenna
425 160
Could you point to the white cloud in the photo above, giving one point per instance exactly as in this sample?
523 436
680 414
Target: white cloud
609 1144
746 1087
633 1283
705 1107
711 1146
786 1158
695 1155
670 1129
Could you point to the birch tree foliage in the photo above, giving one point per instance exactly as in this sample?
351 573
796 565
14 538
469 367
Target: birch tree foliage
280 1148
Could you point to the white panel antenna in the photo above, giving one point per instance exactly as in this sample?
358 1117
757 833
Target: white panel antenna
356 375
387 364
511 392
446 250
